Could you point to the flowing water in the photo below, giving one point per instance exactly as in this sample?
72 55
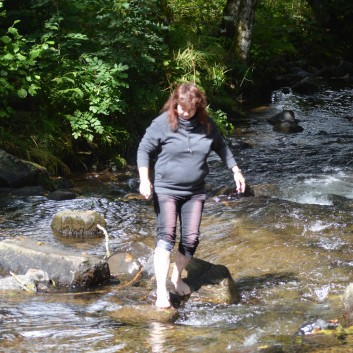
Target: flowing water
289 249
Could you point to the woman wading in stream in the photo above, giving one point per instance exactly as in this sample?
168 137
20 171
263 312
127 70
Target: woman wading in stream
180 139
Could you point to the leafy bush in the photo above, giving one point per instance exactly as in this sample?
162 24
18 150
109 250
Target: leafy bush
221 119
90 89
281 29
134 33
18 76
90 74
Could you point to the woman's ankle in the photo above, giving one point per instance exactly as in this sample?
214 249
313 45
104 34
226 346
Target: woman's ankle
163 299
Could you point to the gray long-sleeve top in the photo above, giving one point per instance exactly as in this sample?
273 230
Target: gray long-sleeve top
181 165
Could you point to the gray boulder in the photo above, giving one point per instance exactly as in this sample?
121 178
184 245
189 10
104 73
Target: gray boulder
211 283
78 224
64 267
288 127
286 122
15 172
284 116
33 281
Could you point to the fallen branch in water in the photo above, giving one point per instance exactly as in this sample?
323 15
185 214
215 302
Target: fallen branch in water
106 240
137 276
22 284
124 285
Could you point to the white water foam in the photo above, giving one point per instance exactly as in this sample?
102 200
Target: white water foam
317 190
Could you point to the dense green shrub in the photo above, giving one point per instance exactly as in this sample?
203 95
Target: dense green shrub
81 76
282 30
18 76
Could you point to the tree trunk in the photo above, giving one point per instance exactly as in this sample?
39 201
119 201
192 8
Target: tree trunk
237 25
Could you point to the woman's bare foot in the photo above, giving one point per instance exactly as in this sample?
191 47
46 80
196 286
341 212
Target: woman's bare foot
163 301
181 287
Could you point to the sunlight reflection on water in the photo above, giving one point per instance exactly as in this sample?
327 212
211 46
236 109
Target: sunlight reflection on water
317 190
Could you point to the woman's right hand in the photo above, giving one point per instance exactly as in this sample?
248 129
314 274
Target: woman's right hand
146 188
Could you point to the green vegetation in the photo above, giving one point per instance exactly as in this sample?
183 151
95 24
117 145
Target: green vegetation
86 77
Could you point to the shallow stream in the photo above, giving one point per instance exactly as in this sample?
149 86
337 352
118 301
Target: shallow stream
289 249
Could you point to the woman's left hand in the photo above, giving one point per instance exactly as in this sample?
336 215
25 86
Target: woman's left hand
239 180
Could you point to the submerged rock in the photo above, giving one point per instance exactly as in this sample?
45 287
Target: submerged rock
316 326
268 190
123 263
140 314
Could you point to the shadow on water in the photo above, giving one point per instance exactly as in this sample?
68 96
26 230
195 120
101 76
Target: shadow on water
289 248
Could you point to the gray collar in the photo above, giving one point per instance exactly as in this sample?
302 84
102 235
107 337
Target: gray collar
188 124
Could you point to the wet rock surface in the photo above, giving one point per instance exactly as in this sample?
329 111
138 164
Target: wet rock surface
123 264
32 281
78 224
211 283
286 122
60 195
15 173
140 314
65 268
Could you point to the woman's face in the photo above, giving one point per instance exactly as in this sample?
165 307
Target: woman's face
186 111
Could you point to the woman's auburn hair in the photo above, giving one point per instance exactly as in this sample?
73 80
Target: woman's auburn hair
187 93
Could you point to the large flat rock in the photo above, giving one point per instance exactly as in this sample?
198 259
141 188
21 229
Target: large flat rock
67 268
140 314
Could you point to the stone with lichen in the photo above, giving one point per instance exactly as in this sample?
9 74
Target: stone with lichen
78 224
